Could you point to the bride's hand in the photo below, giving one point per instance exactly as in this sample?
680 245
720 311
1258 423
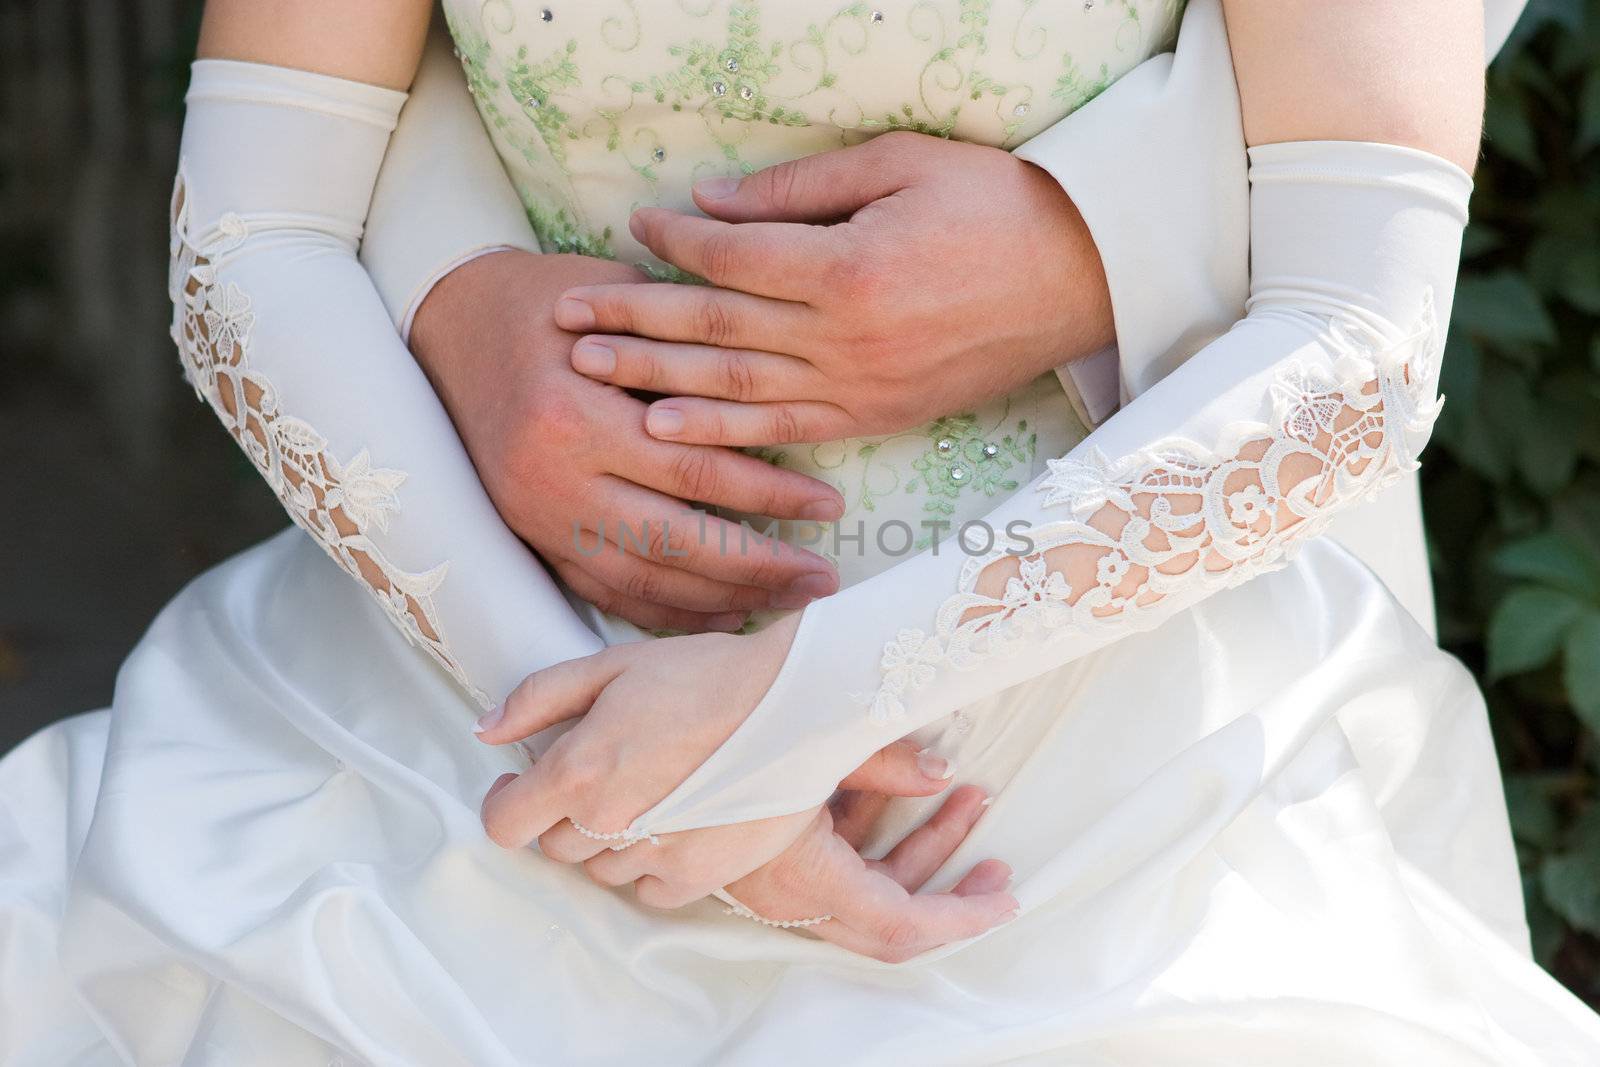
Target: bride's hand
958 274
618 762
649 713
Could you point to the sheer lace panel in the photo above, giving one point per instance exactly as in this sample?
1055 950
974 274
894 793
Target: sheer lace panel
336 503
1156 530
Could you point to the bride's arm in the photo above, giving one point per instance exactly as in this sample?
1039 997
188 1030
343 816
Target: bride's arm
1321 395
290 112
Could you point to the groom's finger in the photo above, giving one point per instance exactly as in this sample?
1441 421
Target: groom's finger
777 259
675 369
643 613
695 420
699 314
816 188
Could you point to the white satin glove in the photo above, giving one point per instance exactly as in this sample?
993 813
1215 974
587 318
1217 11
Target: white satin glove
280 329
1321 396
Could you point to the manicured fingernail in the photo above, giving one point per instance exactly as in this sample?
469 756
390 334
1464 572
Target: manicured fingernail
636 227
726 623
811 585
1008 916
490 719
935 766
497 785
986 802
716 188
592 357
573 314
664 422
822 510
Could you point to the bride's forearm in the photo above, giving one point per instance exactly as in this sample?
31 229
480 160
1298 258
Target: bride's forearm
1321 396
283 334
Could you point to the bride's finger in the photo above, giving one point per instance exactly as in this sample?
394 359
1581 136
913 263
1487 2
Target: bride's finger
896 928
622 867
855 814
565 844
925 849
557 693
902 770
989 876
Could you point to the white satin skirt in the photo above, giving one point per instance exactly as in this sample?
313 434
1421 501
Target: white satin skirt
1270 832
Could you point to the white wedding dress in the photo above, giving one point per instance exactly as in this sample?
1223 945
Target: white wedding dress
1266 828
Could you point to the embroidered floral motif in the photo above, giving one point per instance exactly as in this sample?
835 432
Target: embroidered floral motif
1193 519
336 503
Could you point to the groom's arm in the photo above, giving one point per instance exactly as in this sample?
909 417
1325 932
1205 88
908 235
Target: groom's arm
442 197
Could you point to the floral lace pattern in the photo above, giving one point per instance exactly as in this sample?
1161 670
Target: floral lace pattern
1191 518
336 503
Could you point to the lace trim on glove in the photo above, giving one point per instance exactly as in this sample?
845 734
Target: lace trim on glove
1192 519
336 503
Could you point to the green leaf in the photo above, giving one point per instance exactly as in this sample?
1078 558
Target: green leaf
1554 560
1571 881
1532 808
1581 671
1527 627
1571 885
1504 310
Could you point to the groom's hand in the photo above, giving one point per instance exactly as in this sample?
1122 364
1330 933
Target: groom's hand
568 464
950 275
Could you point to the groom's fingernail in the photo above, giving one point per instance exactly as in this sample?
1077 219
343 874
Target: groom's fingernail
574 315
716 188
664 422
726 623
490 719
592 357
936 767
822 511
812 585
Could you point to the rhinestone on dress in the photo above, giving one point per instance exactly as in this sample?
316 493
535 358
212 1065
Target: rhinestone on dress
732 65
1020 110
745 92
719 88
945 446
659 154
877 16
958 474
547 15
991 450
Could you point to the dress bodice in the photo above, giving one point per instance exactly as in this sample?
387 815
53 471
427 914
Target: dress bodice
600 108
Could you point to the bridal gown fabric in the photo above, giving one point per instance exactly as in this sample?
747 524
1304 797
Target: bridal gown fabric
1267 831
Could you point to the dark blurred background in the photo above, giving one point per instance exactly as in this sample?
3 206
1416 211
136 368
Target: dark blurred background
117 487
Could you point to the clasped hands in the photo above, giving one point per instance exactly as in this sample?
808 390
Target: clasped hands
852 293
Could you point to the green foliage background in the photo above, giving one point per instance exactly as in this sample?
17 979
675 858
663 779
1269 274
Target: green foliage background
1512 481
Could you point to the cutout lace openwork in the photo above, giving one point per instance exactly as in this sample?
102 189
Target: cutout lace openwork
336 503
1158 529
